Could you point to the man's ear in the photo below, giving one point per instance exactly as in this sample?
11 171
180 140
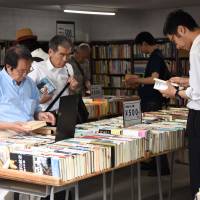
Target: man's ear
181 30
50 51
8 67
144 44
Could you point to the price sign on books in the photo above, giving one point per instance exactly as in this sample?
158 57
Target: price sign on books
132 113
96 91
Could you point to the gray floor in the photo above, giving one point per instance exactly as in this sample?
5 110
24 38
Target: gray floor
91 189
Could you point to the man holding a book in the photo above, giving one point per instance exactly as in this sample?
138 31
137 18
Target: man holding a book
151 100
53 74
181 28
19 97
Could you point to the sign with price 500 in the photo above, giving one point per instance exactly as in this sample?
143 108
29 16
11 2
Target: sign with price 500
132 113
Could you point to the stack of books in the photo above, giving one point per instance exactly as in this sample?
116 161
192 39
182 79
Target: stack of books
108 106
164 130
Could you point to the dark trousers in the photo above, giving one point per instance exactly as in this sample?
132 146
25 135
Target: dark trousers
193 131
147 106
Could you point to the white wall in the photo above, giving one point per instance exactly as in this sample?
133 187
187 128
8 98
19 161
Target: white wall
126 25
43 23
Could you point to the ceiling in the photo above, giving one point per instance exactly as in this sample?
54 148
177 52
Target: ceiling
117 4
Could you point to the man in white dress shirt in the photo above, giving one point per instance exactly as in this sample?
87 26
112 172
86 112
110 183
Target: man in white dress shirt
56 70
182 29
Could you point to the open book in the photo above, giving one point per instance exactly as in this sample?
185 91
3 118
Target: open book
32 125
46 83
162 85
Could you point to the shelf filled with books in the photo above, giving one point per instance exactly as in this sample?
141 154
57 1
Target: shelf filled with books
183 63
4 44
111 60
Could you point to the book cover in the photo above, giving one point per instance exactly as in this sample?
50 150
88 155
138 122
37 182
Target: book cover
44 84
42 165
22 162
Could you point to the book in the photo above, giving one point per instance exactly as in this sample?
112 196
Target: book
162 85
32 125
46 84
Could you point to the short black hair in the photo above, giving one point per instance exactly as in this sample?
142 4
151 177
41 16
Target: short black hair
145 37
178 18
59 40
15 53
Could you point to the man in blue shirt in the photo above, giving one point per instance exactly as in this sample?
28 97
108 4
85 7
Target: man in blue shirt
19 97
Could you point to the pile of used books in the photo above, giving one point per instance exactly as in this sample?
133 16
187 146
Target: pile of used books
98 145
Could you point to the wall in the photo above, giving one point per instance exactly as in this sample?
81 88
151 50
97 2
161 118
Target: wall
43 23
126 25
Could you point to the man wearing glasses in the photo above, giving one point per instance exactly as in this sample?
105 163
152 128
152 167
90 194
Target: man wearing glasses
56 70
19 97
182 29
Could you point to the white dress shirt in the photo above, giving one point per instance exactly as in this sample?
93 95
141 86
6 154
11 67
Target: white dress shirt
193 92
58 76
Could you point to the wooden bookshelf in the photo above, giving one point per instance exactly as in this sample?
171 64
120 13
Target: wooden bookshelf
110 61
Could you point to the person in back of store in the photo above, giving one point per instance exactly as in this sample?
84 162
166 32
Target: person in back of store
24 36
54 73
80 63
182 29
151 100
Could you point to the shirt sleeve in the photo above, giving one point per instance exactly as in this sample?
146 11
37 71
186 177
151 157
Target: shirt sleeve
86 69
193 92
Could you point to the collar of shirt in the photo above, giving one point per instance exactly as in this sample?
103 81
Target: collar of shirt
10 79
54 69
50 66
195 43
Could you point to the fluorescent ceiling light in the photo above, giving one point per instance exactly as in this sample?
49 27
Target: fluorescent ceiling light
88 9
89 12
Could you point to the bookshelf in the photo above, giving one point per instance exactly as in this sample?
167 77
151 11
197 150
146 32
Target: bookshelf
183 63
111 60
5 44
182 68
